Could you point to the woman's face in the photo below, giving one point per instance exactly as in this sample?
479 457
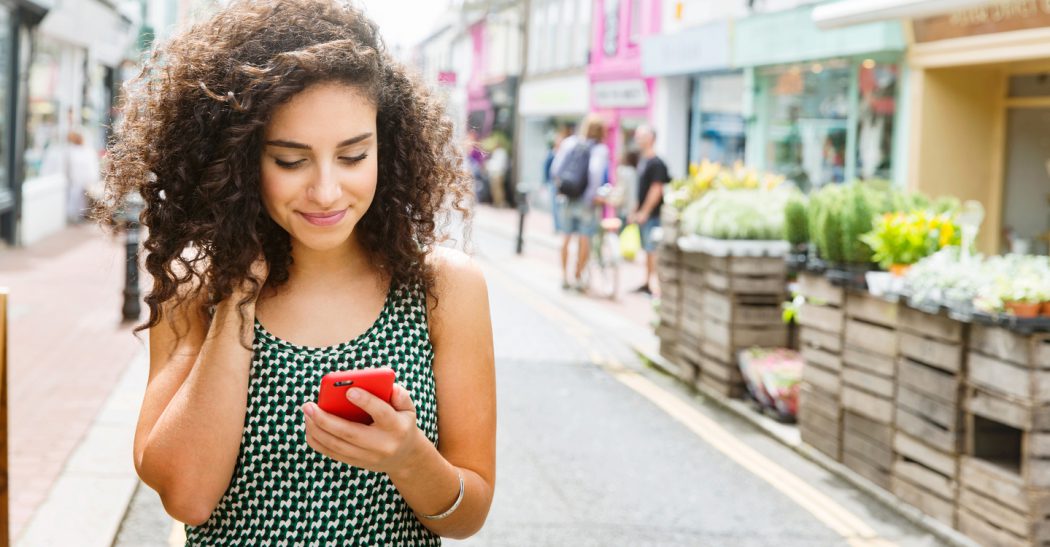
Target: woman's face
319 164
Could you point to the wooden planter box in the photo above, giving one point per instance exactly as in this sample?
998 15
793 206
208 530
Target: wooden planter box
691 325
741 309
869 386
821 323
669 272
1004 495
929 436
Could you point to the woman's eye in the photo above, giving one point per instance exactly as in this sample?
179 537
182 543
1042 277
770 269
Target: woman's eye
288 164
353 159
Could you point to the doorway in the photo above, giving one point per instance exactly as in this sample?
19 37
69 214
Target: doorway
1026 165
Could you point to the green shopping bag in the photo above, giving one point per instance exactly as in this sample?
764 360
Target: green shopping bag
630 241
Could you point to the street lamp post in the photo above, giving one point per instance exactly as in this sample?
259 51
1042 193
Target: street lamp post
129 217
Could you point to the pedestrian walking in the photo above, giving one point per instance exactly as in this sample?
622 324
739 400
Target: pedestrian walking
293 174
579 169
548 178
652 175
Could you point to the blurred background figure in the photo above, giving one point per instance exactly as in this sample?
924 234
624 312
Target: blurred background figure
82 176
579 215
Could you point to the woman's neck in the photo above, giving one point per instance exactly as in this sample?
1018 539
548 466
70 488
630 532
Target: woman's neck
344 263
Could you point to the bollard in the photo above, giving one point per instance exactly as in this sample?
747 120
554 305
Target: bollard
523 208
130 217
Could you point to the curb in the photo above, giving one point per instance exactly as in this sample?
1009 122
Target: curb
87 503
943 532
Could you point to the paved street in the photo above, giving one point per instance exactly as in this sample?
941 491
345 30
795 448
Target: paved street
597 449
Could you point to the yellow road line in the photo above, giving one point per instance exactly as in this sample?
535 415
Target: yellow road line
853 529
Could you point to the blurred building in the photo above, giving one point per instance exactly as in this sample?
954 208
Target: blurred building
978 118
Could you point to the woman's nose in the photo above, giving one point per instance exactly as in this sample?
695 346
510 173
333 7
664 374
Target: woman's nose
325 190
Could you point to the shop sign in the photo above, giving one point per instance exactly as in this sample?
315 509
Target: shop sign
1002 16
621 94
447 77
612 27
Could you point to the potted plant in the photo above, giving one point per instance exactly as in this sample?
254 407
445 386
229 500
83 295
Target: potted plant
902 239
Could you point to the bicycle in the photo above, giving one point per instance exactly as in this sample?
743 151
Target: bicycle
602 275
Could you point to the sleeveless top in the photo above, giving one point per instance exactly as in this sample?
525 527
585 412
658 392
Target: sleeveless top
282 491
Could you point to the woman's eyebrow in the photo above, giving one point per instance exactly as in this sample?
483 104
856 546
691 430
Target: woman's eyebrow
301 146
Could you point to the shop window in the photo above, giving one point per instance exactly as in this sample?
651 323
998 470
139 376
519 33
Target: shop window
583 32
1030 85
808 120
877 108
720 134
6 39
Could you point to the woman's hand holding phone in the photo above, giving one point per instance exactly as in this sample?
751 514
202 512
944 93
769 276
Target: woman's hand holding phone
389 443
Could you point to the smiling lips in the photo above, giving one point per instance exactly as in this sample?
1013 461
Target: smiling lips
324 219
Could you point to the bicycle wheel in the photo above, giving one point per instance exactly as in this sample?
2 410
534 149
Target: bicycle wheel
604 278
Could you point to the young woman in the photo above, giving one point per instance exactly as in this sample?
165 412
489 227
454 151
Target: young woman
293 176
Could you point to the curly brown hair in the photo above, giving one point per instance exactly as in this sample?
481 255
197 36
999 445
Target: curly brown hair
192 135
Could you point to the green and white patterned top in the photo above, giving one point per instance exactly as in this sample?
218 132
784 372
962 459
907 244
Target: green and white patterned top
285 493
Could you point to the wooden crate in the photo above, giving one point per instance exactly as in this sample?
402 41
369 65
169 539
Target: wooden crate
868 359
722 377
997 508
746 275
820 421
745 310
1005 471
1014 365
819 291
723 341
821 320
867 447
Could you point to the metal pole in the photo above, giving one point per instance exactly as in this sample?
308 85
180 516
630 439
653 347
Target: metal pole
131 308
521 187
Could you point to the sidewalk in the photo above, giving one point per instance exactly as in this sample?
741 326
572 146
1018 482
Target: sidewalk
68 350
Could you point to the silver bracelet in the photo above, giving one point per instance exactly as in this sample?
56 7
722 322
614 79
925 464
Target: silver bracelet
455 505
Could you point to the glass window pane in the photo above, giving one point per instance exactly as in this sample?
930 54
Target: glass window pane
1030 85
878 106
809 107
5 70
583 29
721 122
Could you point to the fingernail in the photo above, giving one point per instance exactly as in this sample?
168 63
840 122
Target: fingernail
354 394
308 409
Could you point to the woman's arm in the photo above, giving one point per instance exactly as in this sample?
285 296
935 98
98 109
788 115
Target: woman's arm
192 417
464 374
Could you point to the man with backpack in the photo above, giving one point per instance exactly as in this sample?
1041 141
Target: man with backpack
578 170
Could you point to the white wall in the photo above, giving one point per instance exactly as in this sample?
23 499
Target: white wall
671 122
697 12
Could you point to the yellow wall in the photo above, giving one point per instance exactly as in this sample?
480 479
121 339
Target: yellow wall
956 145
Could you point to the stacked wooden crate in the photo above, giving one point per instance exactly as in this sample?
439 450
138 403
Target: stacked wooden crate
669 271
821 320
928 437
869 386
691 324
1004 494
742 300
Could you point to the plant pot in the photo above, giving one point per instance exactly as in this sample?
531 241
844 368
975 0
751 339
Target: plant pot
899 270
1024 310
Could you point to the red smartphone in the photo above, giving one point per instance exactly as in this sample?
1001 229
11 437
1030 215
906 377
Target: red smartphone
332 395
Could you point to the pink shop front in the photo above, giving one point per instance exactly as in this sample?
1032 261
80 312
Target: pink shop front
619 92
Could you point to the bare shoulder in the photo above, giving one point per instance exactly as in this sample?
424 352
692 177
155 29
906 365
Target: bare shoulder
454 271
459 286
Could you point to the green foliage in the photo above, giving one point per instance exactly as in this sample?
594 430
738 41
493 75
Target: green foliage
796 223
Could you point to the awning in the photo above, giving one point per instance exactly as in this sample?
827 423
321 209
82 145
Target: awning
94 25
855 12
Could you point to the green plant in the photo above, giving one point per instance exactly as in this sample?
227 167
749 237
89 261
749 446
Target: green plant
796 223
905 238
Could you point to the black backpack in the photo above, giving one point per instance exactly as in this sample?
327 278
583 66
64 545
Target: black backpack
573 174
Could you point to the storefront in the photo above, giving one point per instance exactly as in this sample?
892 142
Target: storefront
547 104
699 110
980 127
17 19
619 91
77 50
826 105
